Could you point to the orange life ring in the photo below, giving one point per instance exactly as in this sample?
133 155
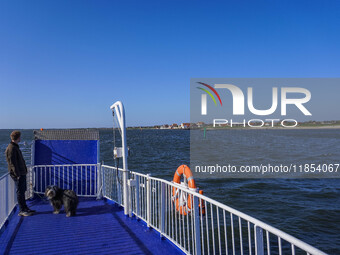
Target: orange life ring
184 207
202 206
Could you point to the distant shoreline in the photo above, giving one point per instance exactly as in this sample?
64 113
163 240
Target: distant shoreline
200 128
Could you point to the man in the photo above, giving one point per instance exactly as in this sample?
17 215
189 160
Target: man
18 170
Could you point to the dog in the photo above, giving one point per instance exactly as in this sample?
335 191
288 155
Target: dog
59 197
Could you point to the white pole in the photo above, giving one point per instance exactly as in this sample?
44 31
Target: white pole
148 200
118 106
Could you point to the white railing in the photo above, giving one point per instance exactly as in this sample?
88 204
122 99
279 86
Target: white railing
84 179
113 184
8 197
209 228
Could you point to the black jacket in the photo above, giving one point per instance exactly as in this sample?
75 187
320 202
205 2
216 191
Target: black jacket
15 160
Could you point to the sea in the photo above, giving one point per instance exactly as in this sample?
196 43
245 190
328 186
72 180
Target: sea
308 209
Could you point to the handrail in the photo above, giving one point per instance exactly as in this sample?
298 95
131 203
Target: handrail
4 176
249 218
258 225
204 228
35 166
7 198
66 177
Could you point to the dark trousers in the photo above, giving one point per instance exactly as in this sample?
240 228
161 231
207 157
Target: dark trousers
21 189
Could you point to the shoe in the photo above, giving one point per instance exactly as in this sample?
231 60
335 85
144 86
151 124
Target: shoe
25 213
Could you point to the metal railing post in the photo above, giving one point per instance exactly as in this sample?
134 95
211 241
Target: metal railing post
99 181
197 227
126 192
148 200
259 248
103 181
130 184
7 196
163 202
137 196
119 188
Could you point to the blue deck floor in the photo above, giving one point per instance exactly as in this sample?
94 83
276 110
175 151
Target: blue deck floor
98 228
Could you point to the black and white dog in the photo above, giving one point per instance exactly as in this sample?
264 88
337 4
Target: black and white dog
59 197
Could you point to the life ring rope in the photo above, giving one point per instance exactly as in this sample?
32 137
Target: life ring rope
182 202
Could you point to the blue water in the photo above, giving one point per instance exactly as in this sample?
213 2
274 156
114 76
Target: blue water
308 209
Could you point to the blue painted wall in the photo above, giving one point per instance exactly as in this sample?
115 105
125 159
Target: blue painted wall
64 152
60 152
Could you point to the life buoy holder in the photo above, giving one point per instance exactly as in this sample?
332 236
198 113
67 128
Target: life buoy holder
182 200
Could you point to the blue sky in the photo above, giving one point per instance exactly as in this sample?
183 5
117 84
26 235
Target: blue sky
63 63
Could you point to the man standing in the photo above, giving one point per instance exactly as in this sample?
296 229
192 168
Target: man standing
18 170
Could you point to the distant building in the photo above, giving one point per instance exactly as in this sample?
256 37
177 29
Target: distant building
165 126
173 126
327 122
185 125
193 125
200 124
